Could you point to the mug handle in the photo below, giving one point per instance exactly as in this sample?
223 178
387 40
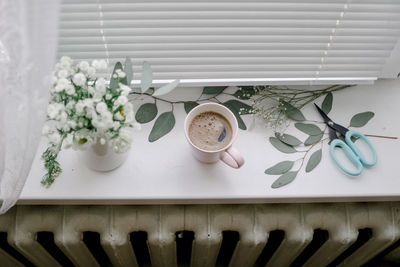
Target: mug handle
232 157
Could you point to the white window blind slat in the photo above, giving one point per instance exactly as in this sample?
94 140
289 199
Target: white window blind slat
223 46
231 39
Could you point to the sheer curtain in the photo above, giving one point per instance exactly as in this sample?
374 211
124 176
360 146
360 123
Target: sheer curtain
28 42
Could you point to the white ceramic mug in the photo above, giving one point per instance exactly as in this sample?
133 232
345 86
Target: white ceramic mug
228 154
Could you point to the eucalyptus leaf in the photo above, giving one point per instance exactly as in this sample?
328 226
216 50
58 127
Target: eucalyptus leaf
327 103
308 128
213 90
361 119
146 113
314 160
114 81
147 77
284 179
166 88
292 112
288 139
163 125
241 107
278 144
312 139
235 112
245 92
189 105
280 168
128 71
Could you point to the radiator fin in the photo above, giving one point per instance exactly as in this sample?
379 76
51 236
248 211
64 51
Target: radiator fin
274 240
92 241
138 241
9 256
184 241
229 242
319 238
46 239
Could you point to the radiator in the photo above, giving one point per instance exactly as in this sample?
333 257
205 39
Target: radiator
344 234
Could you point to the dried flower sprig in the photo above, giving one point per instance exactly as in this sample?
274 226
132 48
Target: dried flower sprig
270 102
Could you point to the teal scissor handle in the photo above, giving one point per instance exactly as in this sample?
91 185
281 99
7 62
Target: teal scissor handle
350 155
353 153
357 151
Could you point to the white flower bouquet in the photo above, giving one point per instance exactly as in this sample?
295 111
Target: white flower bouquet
84 109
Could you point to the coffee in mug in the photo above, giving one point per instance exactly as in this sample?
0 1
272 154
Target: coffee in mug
210 131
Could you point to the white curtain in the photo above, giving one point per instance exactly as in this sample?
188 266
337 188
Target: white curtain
28 42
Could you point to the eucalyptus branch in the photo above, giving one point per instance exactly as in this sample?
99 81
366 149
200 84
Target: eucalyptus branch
308 150
174 102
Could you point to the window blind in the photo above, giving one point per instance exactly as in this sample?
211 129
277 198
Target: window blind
219 41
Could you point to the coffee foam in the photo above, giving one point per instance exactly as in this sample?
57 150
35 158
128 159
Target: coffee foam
210 131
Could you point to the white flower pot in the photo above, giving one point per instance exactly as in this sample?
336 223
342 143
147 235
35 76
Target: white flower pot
102 158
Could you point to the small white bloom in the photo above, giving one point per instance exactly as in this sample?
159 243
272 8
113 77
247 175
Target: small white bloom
115 76
65 62
99 64
45 129
97 97
62 73
84 65
128 113
104 121
122 143
121 100
61 84
120 73
103 64
91 71
102 141
101 107
118 116
79 79
70 89
125 90
71 124
54 110
101 85
79 107
62 118
108 96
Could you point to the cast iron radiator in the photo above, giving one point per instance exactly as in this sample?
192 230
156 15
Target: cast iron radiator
344 234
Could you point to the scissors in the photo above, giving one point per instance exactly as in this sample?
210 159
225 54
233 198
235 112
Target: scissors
350 149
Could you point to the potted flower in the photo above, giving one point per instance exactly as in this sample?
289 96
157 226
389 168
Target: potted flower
87 113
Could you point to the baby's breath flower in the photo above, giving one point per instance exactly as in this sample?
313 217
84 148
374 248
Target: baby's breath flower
125 90
62 73
122 142
91 71
83 65
79 79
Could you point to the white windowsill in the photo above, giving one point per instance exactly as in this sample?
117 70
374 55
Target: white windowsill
164 172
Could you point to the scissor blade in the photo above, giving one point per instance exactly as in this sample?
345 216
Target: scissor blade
342 130
324 116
